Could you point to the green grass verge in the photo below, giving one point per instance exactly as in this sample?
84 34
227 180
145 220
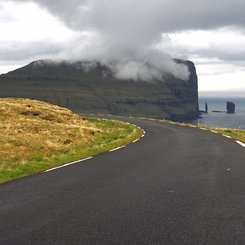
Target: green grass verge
113 134
236 134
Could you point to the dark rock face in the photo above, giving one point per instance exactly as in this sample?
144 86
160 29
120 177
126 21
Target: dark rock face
206 107
97 91
230 107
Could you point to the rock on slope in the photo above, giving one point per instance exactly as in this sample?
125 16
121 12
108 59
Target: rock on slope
94 90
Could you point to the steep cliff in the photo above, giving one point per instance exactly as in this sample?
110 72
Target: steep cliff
90 88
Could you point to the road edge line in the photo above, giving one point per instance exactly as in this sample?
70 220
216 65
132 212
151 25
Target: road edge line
67 164
240 143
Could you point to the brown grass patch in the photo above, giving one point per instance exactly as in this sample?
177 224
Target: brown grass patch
30 128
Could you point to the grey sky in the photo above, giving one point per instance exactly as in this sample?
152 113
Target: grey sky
127 30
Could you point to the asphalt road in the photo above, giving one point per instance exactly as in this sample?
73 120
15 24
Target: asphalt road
176 185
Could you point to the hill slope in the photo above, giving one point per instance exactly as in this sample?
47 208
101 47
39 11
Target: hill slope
35 136
79 87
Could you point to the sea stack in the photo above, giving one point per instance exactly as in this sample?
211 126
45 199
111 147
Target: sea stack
206 107
230 107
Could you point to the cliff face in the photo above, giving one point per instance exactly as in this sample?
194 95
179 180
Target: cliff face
87 89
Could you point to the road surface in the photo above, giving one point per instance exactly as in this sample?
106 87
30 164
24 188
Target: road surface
177 185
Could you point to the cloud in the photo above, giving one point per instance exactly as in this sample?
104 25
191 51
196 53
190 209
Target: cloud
149 66
21 51
5 16
117 35
153 16
127 32
219 45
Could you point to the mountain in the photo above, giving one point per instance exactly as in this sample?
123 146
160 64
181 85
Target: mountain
89 87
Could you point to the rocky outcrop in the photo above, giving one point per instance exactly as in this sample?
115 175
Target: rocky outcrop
230 107
95 90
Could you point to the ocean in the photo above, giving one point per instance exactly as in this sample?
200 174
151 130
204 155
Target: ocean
217 102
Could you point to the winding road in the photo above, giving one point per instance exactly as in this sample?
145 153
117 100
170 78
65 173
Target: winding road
177 185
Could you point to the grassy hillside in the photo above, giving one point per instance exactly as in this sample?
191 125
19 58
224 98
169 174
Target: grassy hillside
95 90
35 136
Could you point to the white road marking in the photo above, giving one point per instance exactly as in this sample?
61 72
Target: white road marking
214 131
192 126
229 137
136 140
68 164
203 129
118 148
240 143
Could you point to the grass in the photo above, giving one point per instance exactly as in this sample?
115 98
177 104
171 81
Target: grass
35 136
236 134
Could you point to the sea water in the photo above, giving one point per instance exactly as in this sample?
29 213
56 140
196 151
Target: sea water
217 102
